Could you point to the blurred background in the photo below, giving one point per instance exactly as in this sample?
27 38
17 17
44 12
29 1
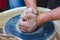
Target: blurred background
10 4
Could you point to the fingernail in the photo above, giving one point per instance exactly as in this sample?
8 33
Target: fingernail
29 30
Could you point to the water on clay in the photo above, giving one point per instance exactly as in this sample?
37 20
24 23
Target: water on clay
41 33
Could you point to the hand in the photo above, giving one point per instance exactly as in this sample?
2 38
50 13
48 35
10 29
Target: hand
27 22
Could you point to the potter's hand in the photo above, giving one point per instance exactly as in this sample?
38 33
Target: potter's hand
27 22
25 26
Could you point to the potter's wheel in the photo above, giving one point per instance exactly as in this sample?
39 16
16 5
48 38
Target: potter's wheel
42 33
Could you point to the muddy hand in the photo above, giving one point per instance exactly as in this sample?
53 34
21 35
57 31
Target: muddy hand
27 22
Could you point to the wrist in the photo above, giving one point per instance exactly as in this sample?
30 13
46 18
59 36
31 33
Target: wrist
42 18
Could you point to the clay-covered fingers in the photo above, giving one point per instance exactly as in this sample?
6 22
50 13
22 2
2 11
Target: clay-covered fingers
23 25
23 29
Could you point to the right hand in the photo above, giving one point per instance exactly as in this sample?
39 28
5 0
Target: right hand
27 22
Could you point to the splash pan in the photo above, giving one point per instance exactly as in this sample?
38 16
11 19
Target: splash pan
10 20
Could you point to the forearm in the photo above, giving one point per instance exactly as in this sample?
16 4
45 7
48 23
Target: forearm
49 16
31 3
54 14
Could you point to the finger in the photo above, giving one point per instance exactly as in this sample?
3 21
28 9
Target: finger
24 18
29 16
23 24
25 11
36 11
23 30
20 25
